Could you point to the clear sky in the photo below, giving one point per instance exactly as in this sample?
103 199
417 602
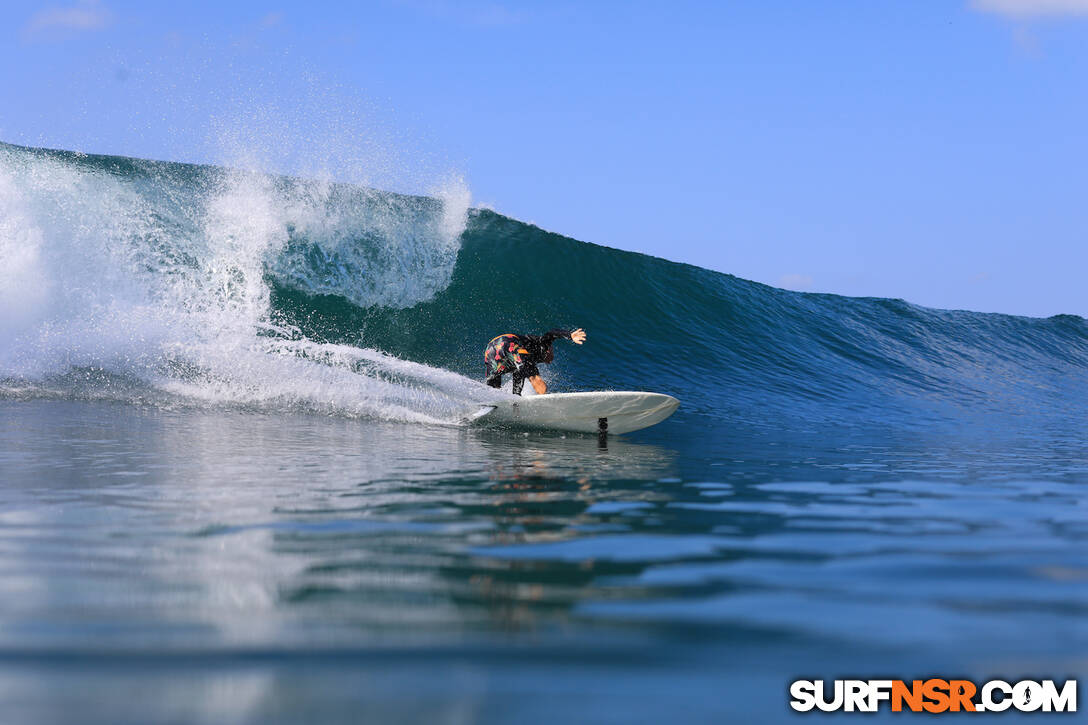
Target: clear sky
930 150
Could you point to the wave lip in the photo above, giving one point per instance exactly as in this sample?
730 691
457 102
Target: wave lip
162 273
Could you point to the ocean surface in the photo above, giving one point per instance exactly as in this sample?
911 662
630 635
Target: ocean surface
235 486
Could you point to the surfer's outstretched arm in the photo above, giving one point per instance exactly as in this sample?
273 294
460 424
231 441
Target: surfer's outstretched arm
577 336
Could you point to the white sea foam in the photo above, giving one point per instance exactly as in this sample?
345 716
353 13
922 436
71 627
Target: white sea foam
162 277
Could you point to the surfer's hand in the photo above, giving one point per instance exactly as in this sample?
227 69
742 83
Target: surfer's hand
578 336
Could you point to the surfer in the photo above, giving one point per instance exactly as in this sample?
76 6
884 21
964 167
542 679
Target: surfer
519 354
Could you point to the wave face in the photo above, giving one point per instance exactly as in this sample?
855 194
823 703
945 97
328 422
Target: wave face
173 284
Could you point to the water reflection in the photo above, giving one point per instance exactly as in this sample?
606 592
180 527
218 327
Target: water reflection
215 532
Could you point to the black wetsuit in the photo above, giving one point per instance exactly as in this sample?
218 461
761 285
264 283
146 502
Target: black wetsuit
518 354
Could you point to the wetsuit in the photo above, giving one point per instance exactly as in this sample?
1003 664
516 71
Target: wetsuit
518 354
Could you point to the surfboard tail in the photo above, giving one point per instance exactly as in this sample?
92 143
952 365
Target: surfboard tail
479 413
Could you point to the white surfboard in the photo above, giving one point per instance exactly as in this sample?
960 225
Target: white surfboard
604 412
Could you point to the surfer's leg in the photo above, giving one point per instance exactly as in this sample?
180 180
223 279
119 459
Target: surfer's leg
528 371
494 381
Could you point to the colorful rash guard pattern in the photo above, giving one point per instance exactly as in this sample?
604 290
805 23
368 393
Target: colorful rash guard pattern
517 354
507 354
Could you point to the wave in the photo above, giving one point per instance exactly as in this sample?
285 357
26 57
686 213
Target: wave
161 273
729 348
229 287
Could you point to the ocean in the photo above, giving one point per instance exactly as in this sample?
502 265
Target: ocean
236 487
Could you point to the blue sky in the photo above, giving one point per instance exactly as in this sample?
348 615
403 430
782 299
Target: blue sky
935 151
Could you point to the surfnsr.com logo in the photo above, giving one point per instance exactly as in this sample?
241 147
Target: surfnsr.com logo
933 695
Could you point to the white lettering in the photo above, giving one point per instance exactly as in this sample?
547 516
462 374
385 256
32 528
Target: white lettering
1064 701
821 700
878 690
1027 696
855 695
803 693
988 698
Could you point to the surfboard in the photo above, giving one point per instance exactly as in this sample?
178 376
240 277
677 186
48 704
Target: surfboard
596 412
